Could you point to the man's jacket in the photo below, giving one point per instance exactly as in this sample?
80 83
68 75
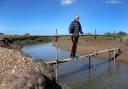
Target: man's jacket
75 28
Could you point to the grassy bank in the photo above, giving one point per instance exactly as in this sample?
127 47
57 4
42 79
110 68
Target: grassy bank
93 37
25 40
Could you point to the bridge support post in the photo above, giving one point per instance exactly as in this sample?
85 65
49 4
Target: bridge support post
109 56
119 51
95 34
89 62
94 63
56 67
114 54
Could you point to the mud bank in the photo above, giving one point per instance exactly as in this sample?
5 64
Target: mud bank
86 47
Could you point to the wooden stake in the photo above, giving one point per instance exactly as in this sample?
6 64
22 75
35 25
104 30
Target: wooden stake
114 54
56 55
89 62
95 34
109 56
94 64
114 35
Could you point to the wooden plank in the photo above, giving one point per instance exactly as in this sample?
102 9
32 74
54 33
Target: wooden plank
89 55
60 61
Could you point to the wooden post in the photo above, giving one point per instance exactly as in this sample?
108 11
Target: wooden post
94 64
95 34
114 54
56 45
114 35
121 40
89 62
109 56
56 54
119 51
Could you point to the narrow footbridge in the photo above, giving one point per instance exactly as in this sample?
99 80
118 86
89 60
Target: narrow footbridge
115 52
112 54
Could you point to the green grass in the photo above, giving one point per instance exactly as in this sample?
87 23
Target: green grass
44 39
88 37
26 40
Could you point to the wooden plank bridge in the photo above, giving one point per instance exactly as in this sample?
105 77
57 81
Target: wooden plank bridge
114 50
57 61
113 53
93 54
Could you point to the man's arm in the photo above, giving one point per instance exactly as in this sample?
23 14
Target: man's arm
81 32
71 28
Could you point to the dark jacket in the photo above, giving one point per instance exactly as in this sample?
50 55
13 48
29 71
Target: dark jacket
75 28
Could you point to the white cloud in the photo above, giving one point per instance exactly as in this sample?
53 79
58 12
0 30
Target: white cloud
67 2
113 2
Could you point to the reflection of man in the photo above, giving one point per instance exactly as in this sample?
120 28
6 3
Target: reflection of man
74 30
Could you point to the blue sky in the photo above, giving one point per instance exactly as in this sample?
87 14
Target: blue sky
45 16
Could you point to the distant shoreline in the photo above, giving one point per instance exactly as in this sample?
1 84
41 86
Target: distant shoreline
13 41
85 46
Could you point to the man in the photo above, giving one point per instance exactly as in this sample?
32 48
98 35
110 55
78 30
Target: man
74 30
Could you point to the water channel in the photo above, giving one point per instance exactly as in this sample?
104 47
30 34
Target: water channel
107 75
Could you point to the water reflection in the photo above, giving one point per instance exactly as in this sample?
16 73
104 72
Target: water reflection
44 51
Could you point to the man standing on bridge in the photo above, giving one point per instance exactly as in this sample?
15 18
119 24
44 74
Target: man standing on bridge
74 30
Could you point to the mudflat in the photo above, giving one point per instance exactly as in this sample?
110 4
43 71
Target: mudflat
86 47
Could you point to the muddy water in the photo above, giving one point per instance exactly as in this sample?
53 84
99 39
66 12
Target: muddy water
107 75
